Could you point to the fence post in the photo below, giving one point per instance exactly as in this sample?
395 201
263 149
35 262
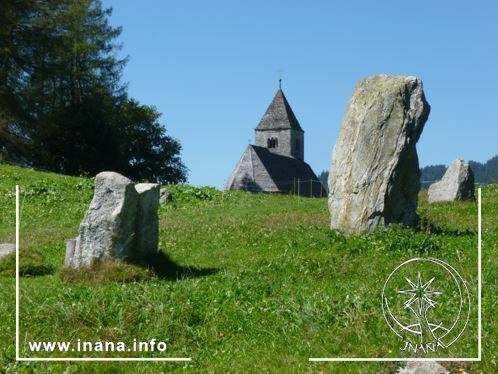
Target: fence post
311 187
298 183
294 186
321 188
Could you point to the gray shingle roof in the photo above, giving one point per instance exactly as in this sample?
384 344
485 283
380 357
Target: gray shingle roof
260 170
279 115
283 169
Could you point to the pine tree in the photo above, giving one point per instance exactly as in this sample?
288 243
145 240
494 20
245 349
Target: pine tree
63 106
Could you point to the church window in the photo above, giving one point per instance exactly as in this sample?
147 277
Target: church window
272 142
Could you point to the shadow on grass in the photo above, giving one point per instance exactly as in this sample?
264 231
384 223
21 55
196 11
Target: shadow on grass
164 267
112 271
31 263
109 271
428 226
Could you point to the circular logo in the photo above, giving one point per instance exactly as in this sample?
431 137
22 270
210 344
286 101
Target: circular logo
426 303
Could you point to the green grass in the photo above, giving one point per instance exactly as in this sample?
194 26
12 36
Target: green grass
250 282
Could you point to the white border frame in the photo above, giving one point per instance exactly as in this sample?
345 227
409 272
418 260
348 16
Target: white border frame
312 359
66 358
449 359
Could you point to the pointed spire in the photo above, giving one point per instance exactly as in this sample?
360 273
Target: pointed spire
279 115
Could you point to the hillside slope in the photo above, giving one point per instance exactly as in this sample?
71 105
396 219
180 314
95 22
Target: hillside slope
251 282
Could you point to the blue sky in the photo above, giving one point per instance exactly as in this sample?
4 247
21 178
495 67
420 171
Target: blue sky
212 68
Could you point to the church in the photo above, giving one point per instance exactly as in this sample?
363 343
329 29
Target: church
275 163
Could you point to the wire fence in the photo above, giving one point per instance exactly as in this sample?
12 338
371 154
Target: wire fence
303 187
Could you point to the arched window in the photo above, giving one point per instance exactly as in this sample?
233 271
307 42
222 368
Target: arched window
272 142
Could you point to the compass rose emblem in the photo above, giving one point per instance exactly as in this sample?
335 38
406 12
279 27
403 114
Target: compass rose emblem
426 303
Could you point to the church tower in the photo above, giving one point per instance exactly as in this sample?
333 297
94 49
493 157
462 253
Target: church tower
276 162
279 131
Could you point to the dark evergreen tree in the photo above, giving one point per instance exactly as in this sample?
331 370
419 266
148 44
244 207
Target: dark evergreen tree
479 171
432 173
323 177
62 104
491 170
16 33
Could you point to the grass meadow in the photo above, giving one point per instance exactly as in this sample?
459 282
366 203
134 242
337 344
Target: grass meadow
245 282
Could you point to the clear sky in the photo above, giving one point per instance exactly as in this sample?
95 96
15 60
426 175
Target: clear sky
212 68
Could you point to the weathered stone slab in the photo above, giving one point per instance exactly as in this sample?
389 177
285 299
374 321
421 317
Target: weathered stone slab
70 249
374 176
457 184
165 195
147 219
417 367
108 229
121 223
6 249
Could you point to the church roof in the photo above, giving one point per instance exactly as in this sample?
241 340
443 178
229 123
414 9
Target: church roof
260 170
279 115
284 169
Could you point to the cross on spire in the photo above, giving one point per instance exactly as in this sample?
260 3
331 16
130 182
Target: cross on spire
280 71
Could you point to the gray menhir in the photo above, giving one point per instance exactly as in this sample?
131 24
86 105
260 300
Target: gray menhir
374 177
276 162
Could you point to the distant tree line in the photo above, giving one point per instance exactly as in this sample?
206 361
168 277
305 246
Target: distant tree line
323 177
483 173
63 106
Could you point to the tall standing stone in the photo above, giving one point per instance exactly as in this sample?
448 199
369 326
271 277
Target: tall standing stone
457 184
147 219
374 176
108 229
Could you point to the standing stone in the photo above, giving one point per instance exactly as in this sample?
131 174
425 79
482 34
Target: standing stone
416 367
108 229
121 223
457 184
147 219
165 195
374 176
69 260
6 249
